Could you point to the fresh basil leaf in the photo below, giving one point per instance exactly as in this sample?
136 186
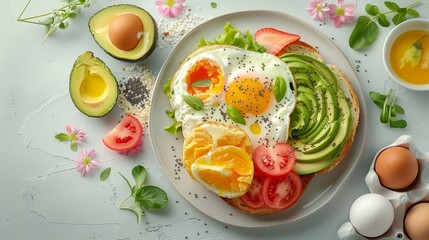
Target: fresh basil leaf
63 137
392 6
174 128
364 33
235 115
412 12
279 88
382 20
371 9
139 173
152 197
194 102
105 174
73 146
213 5
398 123
202 83
136 209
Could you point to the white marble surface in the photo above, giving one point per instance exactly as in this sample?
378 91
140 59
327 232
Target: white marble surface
44 197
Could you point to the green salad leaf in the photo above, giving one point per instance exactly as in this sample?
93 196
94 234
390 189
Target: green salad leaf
234 37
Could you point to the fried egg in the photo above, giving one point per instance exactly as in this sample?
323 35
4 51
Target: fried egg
223 76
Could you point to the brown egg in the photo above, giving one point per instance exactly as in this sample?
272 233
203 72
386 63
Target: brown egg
416 221
396 167
125 31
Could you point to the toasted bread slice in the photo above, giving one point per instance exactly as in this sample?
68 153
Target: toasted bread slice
303 48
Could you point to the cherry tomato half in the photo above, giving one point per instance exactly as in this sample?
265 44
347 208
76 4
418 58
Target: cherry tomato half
282 192
253 197
274 161
126 134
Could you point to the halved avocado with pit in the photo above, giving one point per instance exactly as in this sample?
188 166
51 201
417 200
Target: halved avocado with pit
93 88
99 27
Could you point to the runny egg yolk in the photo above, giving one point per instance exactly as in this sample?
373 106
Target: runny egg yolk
205 77
92 88
255 128
125 31
248 95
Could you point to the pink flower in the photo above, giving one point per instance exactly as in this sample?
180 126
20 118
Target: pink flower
75 135
85 163
316 9
340 13
170 8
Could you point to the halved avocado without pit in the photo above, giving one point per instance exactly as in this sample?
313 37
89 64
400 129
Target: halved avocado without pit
93 88
100 22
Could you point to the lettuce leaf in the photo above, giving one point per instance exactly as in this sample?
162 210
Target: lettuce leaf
234 37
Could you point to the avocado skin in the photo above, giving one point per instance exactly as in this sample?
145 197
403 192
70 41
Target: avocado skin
76 96
147 53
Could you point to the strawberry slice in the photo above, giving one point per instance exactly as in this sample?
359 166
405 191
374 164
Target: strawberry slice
274 40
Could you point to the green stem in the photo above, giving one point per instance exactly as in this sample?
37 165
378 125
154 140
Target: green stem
126 199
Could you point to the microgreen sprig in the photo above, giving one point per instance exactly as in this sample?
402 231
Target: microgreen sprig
145 196
389 109
57 18
366 29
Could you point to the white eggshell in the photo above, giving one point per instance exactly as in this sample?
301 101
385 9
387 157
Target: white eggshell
371 215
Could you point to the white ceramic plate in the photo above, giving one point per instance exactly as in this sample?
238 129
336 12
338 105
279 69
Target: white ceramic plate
168 148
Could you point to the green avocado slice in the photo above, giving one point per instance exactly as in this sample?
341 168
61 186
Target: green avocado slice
322 112
92 87
99 26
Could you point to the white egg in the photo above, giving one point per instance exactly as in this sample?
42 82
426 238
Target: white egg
371 215
244 79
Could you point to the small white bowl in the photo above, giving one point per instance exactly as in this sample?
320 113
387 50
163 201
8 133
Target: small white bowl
411 24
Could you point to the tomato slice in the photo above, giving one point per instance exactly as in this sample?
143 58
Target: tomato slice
274 161
126 134
253 197
282 192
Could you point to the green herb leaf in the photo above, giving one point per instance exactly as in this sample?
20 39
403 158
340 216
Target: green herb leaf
412 12
235 115
174 128
371 9
136 208
364 33
152 197
169 113
139 173
62 137
202 83
279 88
213 5
105 174
399 109
73 146
194 102
128 182
398 123
382 20
166 89
392 6
399 18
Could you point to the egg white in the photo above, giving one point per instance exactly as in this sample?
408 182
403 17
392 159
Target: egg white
235 63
